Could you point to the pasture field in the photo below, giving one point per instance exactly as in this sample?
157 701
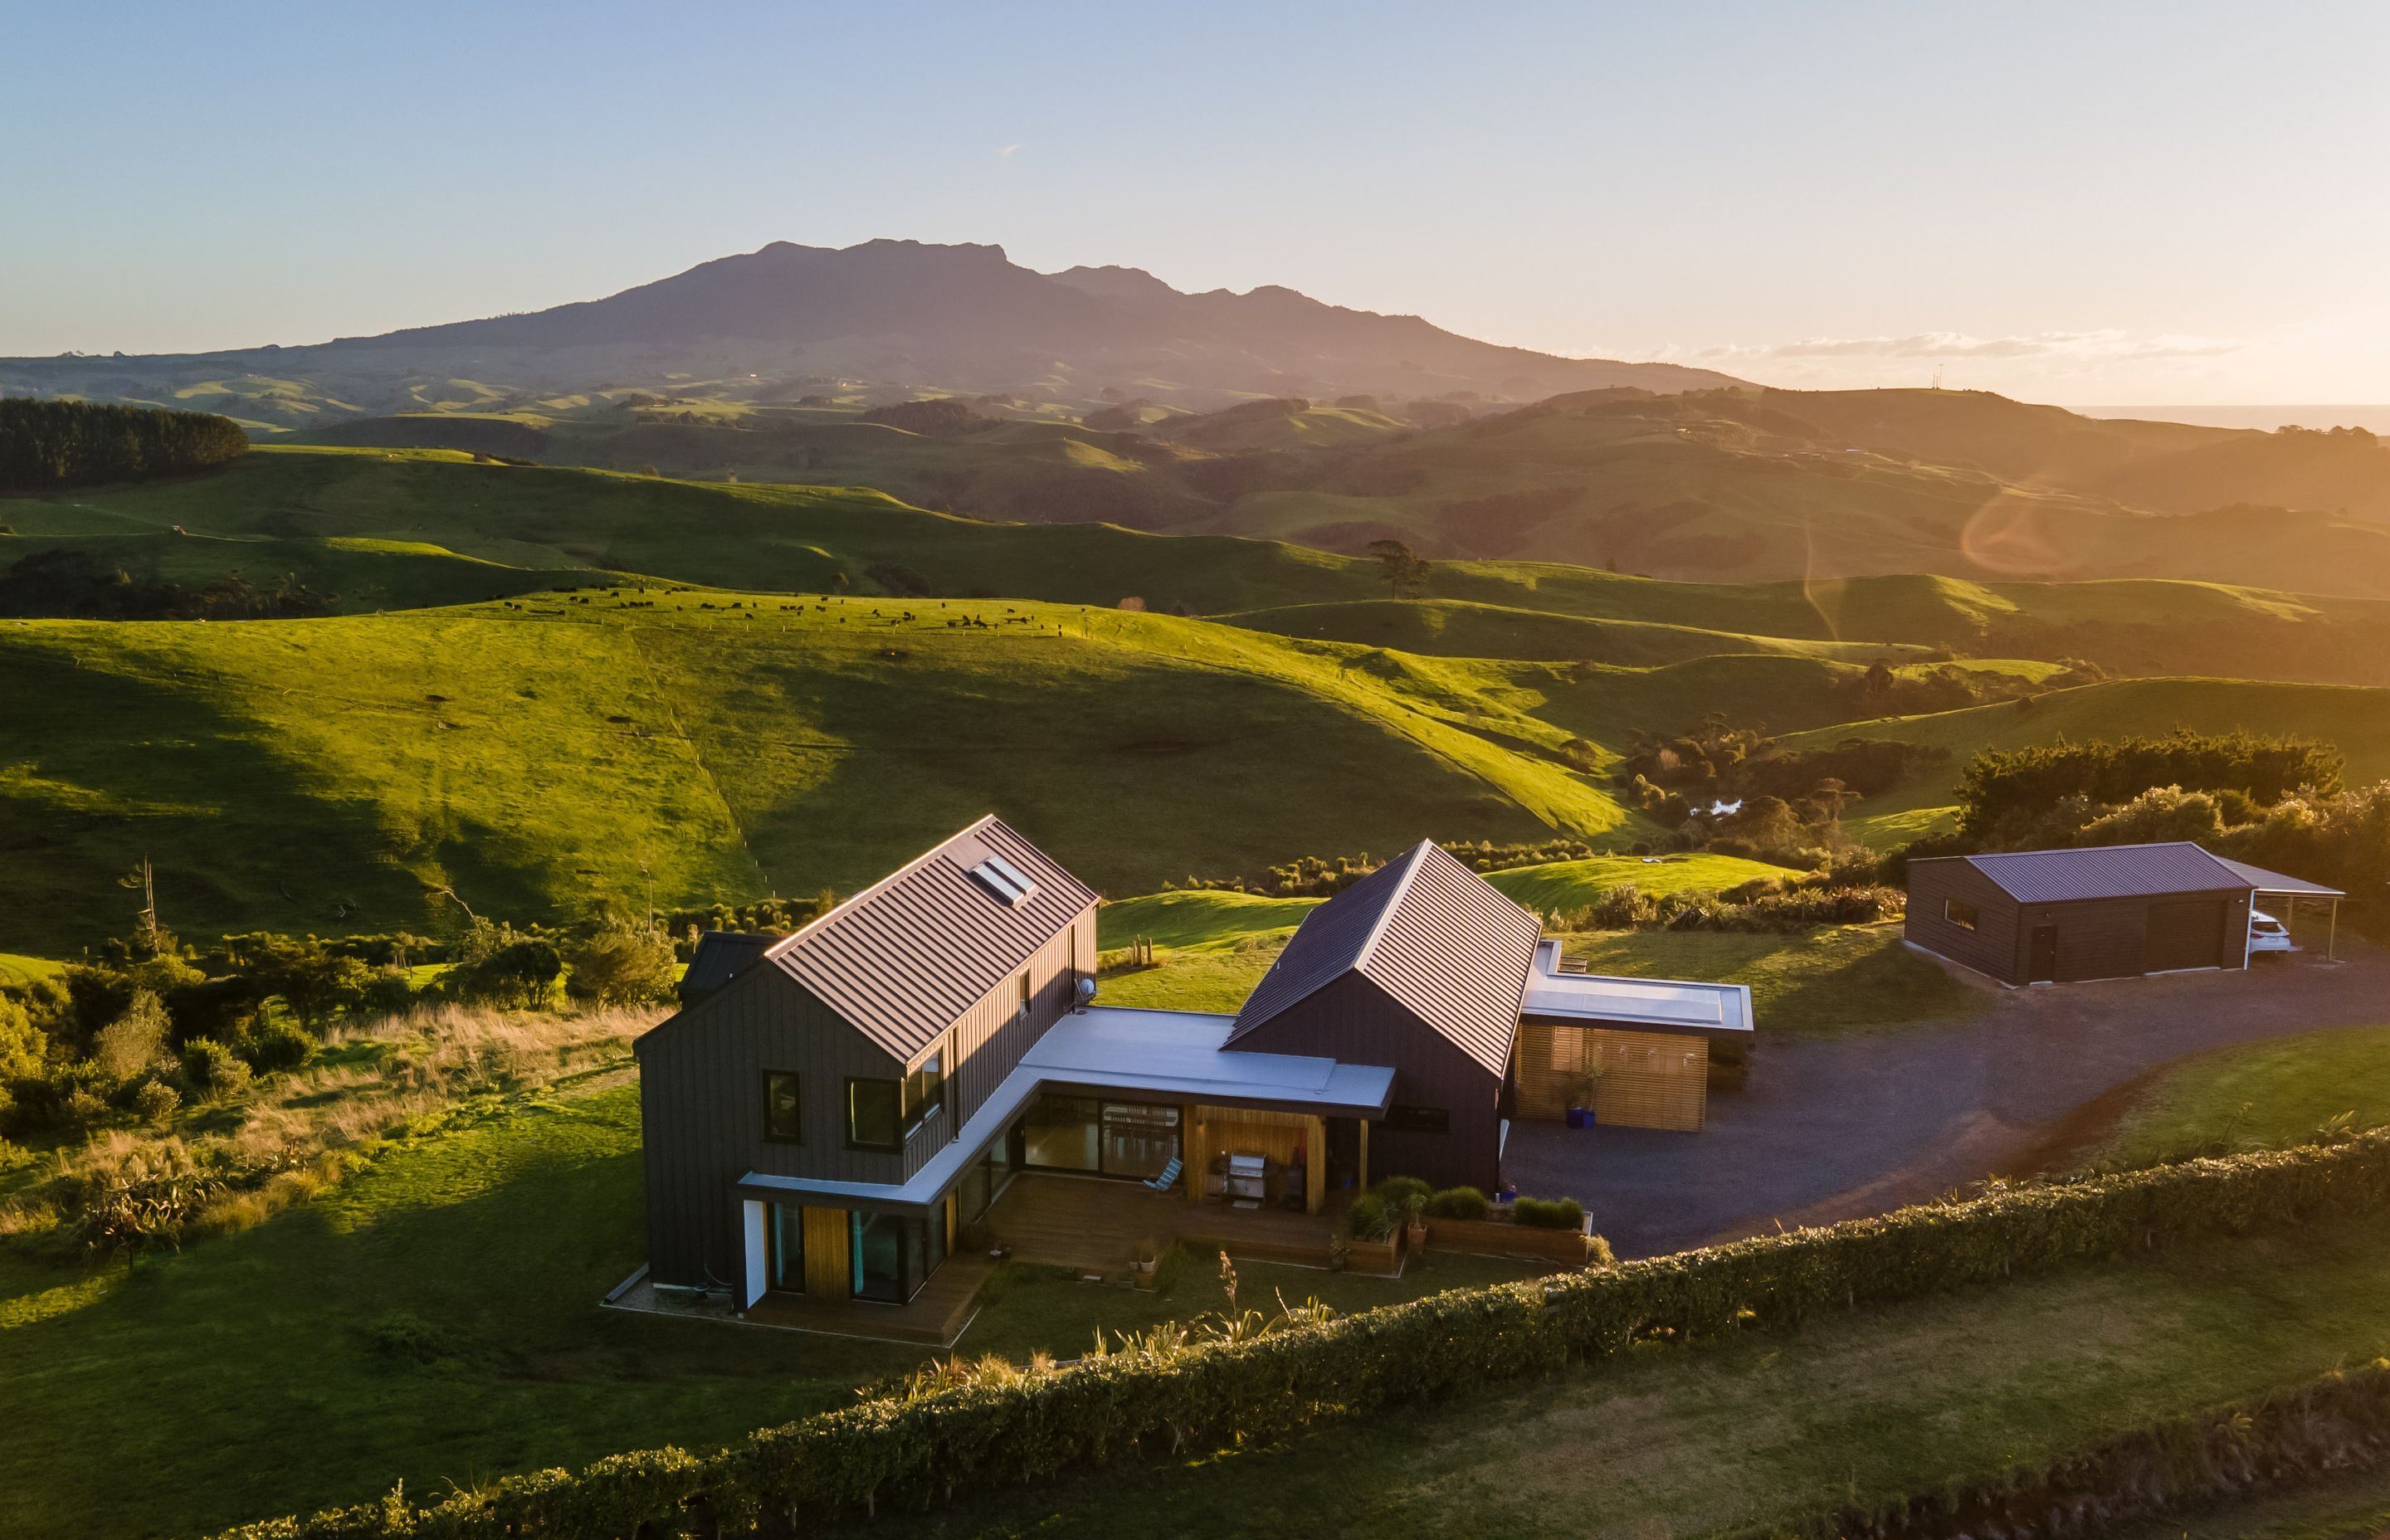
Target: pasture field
435 1319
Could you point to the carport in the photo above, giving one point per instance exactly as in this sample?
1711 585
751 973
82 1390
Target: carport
2295 891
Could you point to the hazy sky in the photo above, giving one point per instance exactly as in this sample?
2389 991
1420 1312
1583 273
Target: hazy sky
2163 203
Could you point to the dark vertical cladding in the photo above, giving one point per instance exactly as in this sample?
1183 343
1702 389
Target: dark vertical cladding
702 1105
1355 1021
701 1094
1948 886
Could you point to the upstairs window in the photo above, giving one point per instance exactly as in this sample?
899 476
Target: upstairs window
784 1107
1420 1120
1960 913
873 1120
925 1089
1025 991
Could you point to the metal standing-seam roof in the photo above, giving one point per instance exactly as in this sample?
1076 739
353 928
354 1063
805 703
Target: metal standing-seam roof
905 957
1429 931
721 956
2108 871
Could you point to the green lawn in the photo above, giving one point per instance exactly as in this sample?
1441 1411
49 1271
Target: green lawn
1865 1406
2257 1095
1834 979
243 1378
1563 886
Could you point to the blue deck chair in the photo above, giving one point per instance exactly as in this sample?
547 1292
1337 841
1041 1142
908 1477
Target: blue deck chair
1169 1177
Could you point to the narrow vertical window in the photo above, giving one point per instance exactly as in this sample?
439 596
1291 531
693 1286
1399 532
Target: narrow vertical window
784 1107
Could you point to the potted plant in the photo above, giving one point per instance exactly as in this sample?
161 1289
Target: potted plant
1149 1259
1580 1100
1414 1221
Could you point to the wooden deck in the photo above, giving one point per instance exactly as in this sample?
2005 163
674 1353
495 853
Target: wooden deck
935 1316
1094 1223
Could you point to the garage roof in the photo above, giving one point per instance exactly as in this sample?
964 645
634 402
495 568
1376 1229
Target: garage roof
2108 871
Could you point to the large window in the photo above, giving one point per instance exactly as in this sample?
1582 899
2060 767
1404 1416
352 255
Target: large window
925 1089
893 1255
784 1107
1108 1138
872 1116
788 1242
1960 913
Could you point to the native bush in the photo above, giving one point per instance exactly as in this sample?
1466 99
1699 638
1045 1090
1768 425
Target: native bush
2022 785
1399 1192
278 1045
215 1068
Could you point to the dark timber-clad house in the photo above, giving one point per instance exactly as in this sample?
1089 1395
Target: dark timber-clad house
2097 911
830 1109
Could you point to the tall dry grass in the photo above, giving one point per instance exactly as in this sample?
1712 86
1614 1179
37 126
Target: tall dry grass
290 1136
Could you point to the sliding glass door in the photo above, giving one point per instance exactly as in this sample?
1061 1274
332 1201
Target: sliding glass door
893 1255
1101 1138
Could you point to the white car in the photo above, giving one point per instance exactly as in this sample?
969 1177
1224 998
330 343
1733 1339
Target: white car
2266 934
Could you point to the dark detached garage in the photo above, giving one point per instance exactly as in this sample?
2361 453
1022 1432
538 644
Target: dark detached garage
2102 912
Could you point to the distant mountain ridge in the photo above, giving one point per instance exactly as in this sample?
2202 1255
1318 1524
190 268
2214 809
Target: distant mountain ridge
904 313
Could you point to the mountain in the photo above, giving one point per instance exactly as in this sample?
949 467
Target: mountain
791 319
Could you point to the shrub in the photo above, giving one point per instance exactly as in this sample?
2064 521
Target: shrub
1459 1203
1399 1192
215 1068
1370 1218
278 1045
402 1334
620 963
156 1101
1549 1213
132 1042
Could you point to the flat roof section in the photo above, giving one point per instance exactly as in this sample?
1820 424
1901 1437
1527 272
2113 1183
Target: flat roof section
1171 1053
1180 1053
2279 883
1664 1004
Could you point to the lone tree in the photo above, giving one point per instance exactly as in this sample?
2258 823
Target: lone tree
1406 574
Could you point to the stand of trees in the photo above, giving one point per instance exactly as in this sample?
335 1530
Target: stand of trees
2006 789
46 445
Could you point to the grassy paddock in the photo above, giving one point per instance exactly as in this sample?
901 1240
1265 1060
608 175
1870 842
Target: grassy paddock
2257 1095
435 1319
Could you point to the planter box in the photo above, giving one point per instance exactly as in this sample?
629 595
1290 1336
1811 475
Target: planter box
1501 1239
1375 1256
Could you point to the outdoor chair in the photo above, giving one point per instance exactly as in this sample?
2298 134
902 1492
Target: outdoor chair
1169 1177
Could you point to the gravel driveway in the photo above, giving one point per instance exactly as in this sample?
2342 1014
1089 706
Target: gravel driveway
1832 1127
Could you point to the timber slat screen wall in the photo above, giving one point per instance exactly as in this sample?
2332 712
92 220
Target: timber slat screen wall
825 1254
1640 1079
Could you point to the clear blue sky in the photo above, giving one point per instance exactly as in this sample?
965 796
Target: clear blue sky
2090 203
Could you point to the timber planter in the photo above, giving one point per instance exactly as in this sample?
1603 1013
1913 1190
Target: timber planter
1374 1256
1503 1238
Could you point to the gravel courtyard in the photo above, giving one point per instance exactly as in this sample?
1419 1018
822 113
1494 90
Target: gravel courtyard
1835 1127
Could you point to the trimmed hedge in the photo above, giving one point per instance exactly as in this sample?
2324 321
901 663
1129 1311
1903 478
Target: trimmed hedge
909 1452
2328 1427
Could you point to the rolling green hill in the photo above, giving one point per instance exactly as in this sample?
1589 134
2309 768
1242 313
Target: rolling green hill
550 757
442 519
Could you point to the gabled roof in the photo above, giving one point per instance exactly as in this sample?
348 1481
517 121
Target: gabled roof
721 956
1431 933
905 957
2108 871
